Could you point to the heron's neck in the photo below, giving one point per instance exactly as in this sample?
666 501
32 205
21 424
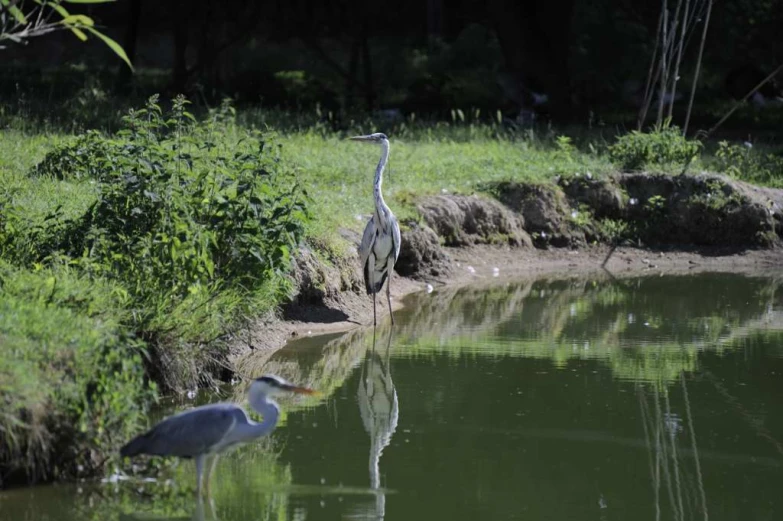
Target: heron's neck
380 205
267 408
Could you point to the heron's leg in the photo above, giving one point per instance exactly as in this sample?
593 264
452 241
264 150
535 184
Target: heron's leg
374 318
212 508
199 470
388 294
210 470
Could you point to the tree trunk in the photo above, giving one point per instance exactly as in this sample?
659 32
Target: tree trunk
180 47
369 89
434 19
353 69
535 37
129 44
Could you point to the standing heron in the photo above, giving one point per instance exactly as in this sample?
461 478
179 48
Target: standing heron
380 245
211 429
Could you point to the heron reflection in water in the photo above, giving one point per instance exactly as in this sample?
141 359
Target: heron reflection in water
379 409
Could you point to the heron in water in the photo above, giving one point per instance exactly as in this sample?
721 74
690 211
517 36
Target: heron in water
380 245
211 429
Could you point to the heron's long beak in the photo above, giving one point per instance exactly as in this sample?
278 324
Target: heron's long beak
361 138
300 390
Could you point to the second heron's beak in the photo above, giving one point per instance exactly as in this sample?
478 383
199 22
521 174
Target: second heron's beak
361 138
300 390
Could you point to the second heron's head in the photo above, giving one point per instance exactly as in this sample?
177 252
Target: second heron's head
271 385
371 138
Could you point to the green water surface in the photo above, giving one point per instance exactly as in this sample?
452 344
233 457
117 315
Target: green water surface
648 398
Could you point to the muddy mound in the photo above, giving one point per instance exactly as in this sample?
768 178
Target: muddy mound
604 197
702 210
655 209
545 211
421 255
318 279
462 220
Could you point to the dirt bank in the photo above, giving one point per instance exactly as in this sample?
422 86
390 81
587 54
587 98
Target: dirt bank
622 225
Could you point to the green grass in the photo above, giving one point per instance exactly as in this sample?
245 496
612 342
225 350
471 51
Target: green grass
338 173
70 375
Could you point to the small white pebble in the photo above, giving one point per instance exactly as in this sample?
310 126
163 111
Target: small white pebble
543 234
574 214
589 175
323 481
633 201
309 332
358 217
191 394
444 191
495 271
471 269
429 288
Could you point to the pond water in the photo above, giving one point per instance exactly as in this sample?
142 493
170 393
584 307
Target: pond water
656 397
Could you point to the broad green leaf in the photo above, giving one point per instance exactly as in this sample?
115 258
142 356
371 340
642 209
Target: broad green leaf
78 20
79 34
60 9
18 14
114 46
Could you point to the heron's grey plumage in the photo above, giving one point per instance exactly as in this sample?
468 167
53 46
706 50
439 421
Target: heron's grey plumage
188 434
211 429
380 246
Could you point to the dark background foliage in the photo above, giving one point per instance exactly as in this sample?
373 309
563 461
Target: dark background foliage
589 58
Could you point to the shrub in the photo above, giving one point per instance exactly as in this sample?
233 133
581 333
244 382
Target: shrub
177 207
742 162
664 146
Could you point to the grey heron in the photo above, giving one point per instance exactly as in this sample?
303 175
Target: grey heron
211 429
380 246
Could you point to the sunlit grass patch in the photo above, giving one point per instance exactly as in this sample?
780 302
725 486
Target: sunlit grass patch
339 173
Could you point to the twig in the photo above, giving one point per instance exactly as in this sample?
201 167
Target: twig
679 57
650 80
698 67
663 68
748 95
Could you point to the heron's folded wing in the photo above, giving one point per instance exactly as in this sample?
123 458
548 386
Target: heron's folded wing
396 238
192 432
368 238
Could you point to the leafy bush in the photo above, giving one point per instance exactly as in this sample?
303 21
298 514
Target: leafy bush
663 146
742 162
175 209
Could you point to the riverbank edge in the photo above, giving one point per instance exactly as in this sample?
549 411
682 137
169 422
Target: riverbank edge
674 224
268 334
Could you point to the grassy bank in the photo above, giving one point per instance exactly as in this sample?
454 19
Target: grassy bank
126 258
